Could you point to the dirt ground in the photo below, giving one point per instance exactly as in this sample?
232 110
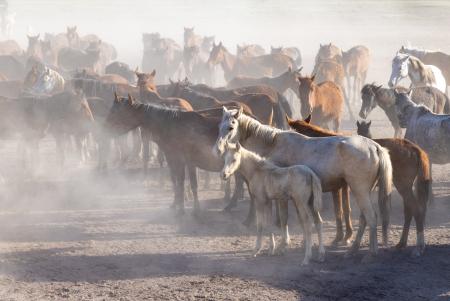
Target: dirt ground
79 235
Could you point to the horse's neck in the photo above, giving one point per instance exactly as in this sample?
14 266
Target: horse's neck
385 98
250 163
416 76
229 62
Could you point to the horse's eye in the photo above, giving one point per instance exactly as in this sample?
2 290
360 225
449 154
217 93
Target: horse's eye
230 129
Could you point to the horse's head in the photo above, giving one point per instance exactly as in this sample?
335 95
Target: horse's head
276 50
232 158
71 34
399 68
327 52
306 87
121 116
33 41
217 54
364 128
368 93
290 77
146 80
228 130
404 107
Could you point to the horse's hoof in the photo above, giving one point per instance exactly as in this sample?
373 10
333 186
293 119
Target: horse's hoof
335 243
230 206
321 257
368 258
256 253
400 245
415 253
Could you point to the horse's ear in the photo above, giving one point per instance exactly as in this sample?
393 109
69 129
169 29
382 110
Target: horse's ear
153 73
239 112
116 98
130 99
300 69
225 110
313 77
320 45
410 92
369 123
308 119
358 124
378 87
289 120
329 45
403 48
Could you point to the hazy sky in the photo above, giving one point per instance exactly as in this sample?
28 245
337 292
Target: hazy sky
382 24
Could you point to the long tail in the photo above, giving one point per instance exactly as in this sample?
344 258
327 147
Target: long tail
447 105
316 191
384 188
424 179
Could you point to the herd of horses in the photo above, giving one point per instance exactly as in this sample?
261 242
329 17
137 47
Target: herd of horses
70 87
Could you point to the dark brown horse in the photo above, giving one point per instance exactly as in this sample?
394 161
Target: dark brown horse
323 101
410 165
186 138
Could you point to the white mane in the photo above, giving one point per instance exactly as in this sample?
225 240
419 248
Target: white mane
252 127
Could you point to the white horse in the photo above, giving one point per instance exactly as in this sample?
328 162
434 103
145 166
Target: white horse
405 65
49 82
267 182
356 161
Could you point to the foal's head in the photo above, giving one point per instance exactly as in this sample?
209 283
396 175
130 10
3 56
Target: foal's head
364 128
217 54
228 129
232 158
146 80
368 93
306 87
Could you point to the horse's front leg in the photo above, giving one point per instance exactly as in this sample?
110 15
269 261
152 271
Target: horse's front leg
238 191
260 204
283 215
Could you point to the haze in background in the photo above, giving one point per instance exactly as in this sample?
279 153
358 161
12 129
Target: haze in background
383 26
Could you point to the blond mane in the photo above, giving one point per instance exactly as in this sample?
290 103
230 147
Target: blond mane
426 74
251 127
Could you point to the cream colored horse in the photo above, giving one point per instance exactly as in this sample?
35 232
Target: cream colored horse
356 161
267 182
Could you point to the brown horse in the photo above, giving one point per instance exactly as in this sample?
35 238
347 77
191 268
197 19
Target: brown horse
186 138
280 105
263 65
356 62
149 94
410 165
281 83
323 101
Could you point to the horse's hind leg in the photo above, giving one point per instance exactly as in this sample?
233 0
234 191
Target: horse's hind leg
194 187
238 191
419 216
408 203
305 218
283 215
347 214
337 202
260 217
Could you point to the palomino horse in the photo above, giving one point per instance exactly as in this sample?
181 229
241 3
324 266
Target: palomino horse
373 95
45 82
186 138
410 163
281 83
292 52
324 101
428 130
410 169
356 161
430 57
249 50
405 65
263 65
356 63
267 182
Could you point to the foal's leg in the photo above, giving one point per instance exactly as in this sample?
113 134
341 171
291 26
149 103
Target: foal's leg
192 170
259 225
306 233
318 222
337 202
283 213
238 191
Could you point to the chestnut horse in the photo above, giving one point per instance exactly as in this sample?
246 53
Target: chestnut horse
410 164
323 101
356 62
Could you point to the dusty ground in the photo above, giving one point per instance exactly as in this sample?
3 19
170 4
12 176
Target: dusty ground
77 235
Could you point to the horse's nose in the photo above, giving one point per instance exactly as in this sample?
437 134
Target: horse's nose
362 114
224 176
390 84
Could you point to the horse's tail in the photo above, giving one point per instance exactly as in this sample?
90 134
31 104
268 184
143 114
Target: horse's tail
279 119
285 104
447 104
316 191
424 179
384 187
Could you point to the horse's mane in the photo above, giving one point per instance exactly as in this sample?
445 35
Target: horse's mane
261 162
426 74
310 130
160 114
252 127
